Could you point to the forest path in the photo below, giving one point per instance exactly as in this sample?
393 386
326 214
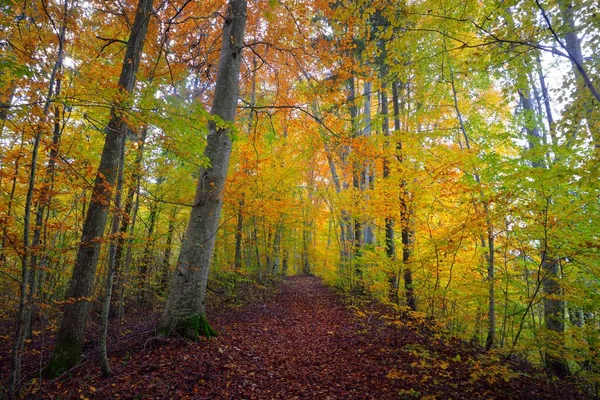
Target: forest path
305 343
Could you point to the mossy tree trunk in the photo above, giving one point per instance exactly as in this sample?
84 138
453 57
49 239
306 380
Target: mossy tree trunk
184 310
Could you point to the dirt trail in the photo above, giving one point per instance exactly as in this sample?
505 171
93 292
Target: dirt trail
304 343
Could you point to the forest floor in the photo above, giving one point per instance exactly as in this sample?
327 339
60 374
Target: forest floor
306 342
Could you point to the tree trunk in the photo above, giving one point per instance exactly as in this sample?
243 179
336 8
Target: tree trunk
408 235
489 244
390 246
546 101
45 198
277 249
356 182
114 230
305 253
284 261
27 284
407 243
184 310
147 259
6 96
11 199
368 178
573 48
390 242
237 263
573 44
130 216
69 342
166 263
554 310
344 220
554 306
256 249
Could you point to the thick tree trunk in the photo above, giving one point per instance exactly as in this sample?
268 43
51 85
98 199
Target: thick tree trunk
69 342
554 310
184 310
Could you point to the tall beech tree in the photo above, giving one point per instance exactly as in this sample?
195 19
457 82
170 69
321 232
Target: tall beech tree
184 310
69 341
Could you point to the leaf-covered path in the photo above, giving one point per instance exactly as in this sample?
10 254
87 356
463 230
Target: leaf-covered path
305 343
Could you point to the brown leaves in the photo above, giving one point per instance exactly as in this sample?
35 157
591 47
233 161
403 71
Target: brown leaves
305 343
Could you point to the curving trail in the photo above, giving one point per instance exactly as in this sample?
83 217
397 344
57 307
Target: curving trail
305 343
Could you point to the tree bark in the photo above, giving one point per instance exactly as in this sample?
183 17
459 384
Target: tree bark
184 310
110 275
69 342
